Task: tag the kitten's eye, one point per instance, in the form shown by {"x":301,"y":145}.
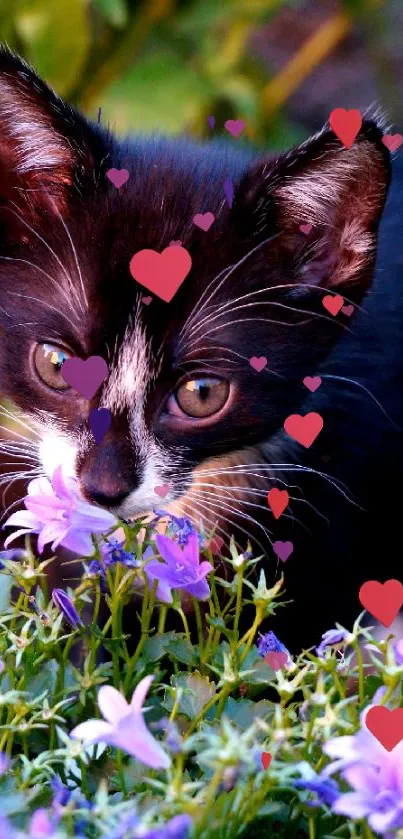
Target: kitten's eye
{"x":48,"y":361}
{"x":202,"y":397}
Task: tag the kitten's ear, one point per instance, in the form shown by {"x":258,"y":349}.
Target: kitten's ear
{"x":46,"y":147}
{"x":340,"y":192}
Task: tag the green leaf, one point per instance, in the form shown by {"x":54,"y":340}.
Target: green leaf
{"x":244,"y":711}
{"x":56,"y":36}
{"x":155,"y":647}
{"x":114,"y":11}
{"x":159,"y":93}
{"x":197,"y":692}
{"x":6,"y":584}
{"x":182,"y":650}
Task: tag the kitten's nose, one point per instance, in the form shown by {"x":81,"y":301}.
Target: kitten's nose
{"x":108,"y":476}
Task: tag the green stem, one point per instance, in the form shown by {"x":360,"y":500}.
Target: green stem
{"x":199,"y":627}
{"x":162,"y":618}
{"x":312,"y":831}
{"x":119,"y":761}
{"x":238,"y":605}
{"x":361,"y":674}
{"x":249,"y":636}
{"x":185,"y":625}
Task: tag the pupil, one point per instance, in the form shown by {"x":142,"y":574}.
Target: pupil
{"x":203,"y":391}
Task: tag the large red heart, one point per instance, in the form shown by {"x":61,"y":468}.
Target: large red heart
{"x":333,"y":303}
{"x":382,"y":600}
{"x":162,"y":273}
{"x":385,"y":725}
{"x":304,"y":429}
{"x":346,"y":125}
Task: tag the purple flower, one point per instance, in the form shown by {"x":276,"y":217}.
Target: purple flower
{"x":375,"y":775}
{"x":326,"y":790}
{"x":181,"y":528}
{"x":5,"y":763}
{"x":176,"y":828}
{"x":15,"y":554}
{"x":124,"y":727}
{"x":398,"y":651}
{"x":41,"y":825}
{"x":332,"y":638}
{"x":269,"y":643}
{"x":181,"y":568}
{"x":61,"y":793}
{"x":67,"y":607}
{"x":112,"y":552}
{"x":58,"y":515}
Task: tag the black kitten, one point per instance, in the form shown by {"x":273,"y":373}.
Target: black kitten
{"x":187,"y":407}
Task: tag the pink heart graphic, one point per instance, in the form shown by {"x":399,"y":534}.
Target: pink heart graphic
{"x":146,"y":300}
{"x":312,"y":382}
{"x":118,"y":177}
{"x":161,"y":273}
{"x":283,"y":550}
{"x":333,"y":303}
{"x":276,"y":659}
{"x":258,"y":364}
{"x":234,"y":126}
{"x":215,"y":544}
{"x":306,"y":229}
{"x":175,"y":242}
{"x":85,"y":376}
{"x":203,"y":220}
{"x":163,"y":490}
{"x":392,"y":141}
{"x":348,"y":310}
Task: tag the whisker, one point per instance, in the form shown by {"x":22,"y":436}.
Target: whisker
{"x":43,"y":303}
{"x":73,"y":248}
{"x":368,"y":392}
{"x":37,"y":268}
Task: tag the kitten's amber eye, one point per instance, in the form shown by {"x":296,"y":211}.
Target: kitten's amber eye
{"x":202,"y":397}
{"x":48,"y":360}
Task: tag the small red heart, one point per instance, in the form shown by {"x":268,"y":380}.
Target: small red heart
{"x":175,"y":242}
{"x":203,"y":220}
{"x":266,"y":760}
{"x":306,"y":229}
{"x":392,"y":141}
{"x":382,"y":600}
{"x":312,"y":382}
{"x":146,"y":300}
{"x":333,"y":303}
{"x":258,"y":363}
{"x":346,"y":125}
{"x":118,"y":177}
{"x":385,"y":725}
{"x":304,"y":429}
{"x":161,"y":273}
{"x":163,"y":490}
{"x":276,"y":660}
{"x":278,"y":501}
{"x":348,"y":310}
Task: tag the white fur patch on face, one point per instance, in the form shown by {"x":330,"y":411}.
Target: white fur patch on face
{"x":56,"y":449}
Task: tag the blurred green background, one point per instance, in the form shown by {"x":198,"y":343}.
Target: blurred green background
{"x":166,"y":65}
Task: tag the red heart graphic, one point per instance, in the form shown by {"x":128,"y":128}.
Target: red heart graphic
{"x":258,"y":363}
{"x":304,"y":429}
{"x":278,"y":501}
{"x":382,"y":600}
{"x":346,"y":125}
{"x":333,"y":303}
{"x":276,"y":660}
{"x":162,"y":273}
{"x":385,"y":725}
{"x":392,"y":141}
{"x":266,"y":760}
{"x":312,"y":382}
{"x":163,"y":490}
{"x":306,"y":229}
{"x":203,"y":220}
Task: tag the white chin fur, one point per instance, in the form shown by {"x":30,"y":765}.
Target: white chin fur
{"x":56,"y":450}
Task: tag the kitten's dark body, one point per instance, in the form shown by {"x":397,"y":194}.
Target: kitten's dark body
{"x":337,"y":546}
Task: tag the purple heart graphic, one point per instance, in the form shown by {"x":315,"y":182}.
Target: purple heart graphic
{"x":258,"y":363}
{"x":99,"y":421}
{"x":229,"y":191}
{"x":211,"y":121}
{"x":118,"y":177}
{"x":234,"y":126}
{"x":85,"y":376}
{"x":283,"y":550}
